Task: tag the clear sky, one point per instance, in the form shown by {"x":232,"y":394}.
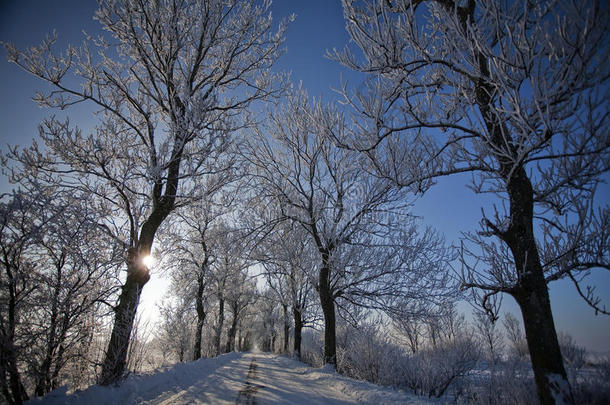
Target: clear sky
{"x":319,"y":25}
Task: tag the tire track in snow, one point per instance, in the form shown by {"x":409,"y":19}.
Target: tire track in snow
{"x":247,"y":395}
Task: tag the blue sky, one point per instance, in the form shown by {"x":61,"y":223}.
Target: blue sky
{"x":318,"y":26}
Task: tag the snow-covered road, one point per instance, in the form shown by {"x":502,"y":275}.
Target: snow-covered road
{"x":262,"y":378}
{"x":237,"y":378}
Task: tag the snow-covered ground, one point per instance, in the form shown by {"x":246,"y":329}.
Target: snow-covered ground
{"x":237,"y":378}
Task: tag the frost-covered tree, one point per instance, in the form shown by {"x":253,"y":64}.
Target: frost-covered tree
{"x":192,"y":245}
{"x":489,"y":337}
{"x":369,"y":251}
{"x":240,"y":294}
{"x":514,"y":93}
{"x":289,"y":261}
{"x":175,"y":329}
{"x":172,"y":84}
{"x":77,"y":267}
{"x":18,"y":228}
{"x":57,"y":271}
{"x":515,"y":336}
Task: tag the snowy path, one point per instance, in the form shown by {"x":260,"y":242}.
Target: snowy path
{"x":222,"y":386}
{"x":285,"y":381}
{"x":237,"y":379}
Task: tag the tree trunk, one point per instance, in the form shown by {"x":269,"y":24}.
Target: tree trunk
{"x":286,"y":328}
{"x":328,"y":309}
{"x":298,"y":326}
{"x":531,"y":293}
{"x":43,"y":384}
{"x":549,"y":372}
{"x":124,"y":315}
{"x":231,"y":335}
{"x":221,"y":319}
{"x":14,"y":391}
{"x":200,"y":318}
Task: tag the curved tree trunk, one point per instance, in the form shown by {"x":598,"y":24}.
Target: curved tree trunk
{"x":124,"y":315}
{"x":531,"y":290}
{"x":200,"y":318}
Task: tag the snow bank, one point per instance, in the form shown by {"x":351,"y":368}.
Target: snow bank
{"x":139,"y":388}
{"x":287,"y":381}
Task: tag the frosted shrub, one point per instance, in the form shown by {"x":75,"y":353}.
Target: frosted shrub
{"x":369,"y":356}
{"x":432,"y":371}
{"x":312,"y":348}
{"x":592,"y":384}
{"x":503,"y":383}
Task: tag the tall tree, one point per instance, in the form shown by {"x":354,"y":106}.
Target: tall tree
{"x":172,"y":86}
{"x":366,"y":256}
{"x":514,"y":92}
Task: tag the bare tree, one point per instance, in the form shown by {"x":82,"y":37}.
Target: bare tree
{"x":351,"y":217}
{"x":240,"y":294}
{"x":17,"y":229}
{"x":171,"y":86}
{"x":192,"y":243}
{"x":77,"y":269}
{"x":57,"y":272}
{"x":177,"y":325}
{"x":516,"y":94}
{"x":489,"y":336}
{"x":515,"y":335}
{"x":289,"y":260}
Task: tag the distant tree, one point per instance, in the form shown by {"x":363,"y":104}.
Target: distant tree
{"x":192,"y":243}
{"x":490,"y":337}
{"x":228,"y":282}
{"x":176,"y":326}
{"x":514,"y":93}
{"x":369,"y":250}
{"x":515,"y":336}
{"x":269,"y":319}
{"x":172,"y":86}
{"x":288,"y":258}
{"x":240,"y":294}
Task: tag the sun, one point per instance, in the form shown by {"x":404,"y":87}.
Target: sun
{"x":148,"y":261}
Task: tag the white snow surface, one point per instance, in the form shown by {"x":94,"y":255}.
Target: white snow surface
{"x":231,"y":379}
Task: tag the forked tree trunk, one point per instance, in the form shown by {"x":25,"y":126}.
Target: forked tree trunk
{"x":531,"y":290}
{"x":124,"y":315}
{"x":298,"y":327}
{"x":328,"y":309}
{"x":531,"y":293}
